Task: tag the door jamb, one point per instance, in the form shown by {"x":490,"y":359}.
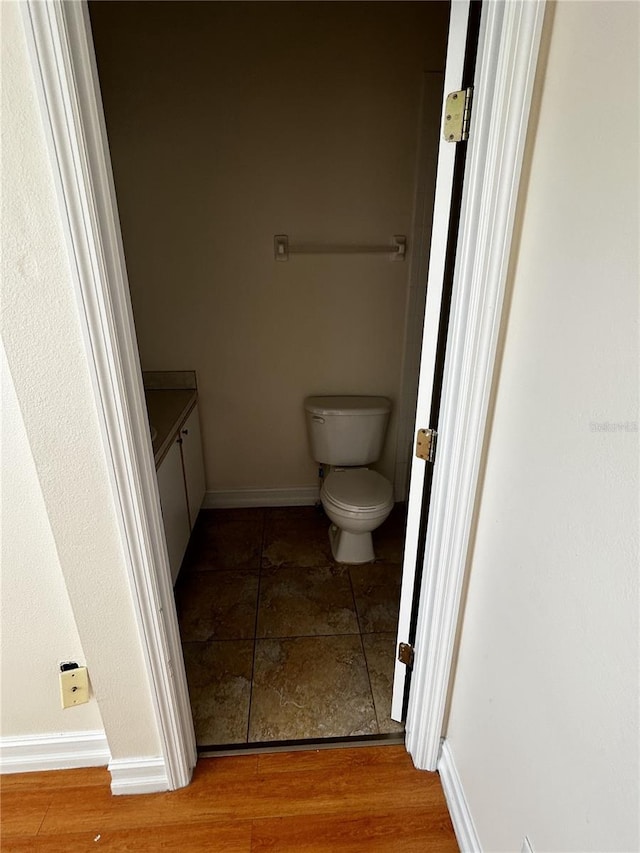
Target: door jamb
{"x":418,"y":260}
{"x":63,"y":63}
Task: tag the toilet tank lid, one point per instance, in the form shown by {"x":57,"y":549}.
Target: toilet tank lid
{"x":347,"y":405}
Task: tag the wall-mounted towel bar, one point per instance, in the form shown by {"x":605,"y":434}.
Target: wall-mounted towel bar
{"x":282,"y":249}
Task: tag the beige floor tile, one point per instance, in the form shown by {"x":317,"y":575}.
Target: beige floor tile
{"x":388,"y":539}
{"x":294,"y":513}
{"x":379,"y":650}
{"x":226,"y":539}
{"x":376,"y":587}
{"x":219,"y":678}
{"x":217,"y":605}
{"x":297,"y":539}
{"x":297,"y":602}
{"x":311,"y":687}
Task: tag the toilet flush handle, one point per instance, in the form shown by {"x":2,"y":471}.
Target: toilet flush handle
{"x":317,"y":419}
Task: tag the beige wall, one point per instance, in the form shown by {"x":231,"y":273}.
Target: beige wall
{"x":59,"y":522}
{"x":544,"y":716}
{"x":229,"y":123}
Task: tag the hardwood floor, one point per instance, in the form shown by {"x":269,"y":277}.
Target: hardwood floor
{"x":319,"y":801}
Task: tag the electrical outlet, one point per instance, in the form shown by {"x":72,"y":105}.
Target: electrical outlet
{"x":74,"y":687}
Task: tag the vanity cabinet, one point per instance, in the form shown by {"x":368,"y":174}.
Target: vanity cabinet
{"x":173,"y":503}
{"x":193,"y":465}
{"x":181,"y":487}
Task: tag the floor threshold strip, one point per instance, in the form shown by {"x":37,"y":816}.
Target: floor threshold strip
{"x":206,"y":751}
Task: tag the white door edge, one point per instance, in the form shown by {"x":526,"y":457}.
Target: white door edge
{"x":457,"y":39}
{"x":505,"y":73}
{"x":63,"y":64}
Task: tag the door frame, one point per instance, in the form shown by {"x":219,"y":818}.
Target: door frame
{"x":64,"y":68}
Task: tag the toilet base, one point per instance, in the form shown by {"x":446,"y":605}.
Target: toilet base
{"x":351,"y":547}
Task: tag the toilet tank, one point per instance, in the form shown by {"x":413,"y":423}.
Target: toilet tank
{"x":346,"y":431}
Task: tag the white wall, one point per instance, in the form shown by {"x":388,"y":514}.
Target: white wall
{"x":67,"y":480}
{"x":544,"y":716}
{"x":38,"y":627}
{"x":229,"y":123}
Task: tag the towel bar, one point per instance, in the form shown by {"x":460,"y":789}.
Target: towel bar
{"x":282,"y":248}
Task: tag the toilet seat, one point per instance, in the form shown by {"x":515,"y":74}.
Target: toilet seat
{"x":358,"y":490}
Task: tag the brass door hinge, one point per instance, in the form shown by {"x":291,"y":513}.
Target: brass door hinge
{"x":405,"y":654}
{"x":457,"y":115}
{"x":426,"y":444}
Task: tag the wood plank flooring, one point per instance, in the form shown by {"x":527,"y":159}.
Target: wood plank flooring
{"x":318,"y":801}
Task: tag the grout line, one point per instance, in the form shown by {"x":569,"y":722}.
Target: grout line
{"x":355,"y":603}
{"x":309,"y":636}
{"x":255,"y":623}
{"x":364,"y":651}
{"x":373,"y":701}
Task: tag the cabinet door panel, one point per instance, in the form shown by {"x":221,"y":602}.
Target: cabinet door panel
{"x":174,"y":507}
{"x":193,"y":464}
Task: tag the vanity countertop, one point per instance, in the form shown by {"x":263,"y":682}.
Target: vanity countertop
{"x":168,"y":409}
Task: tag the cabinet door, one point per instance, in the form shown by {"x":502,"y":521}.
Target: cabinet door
{"x":193,"y":464}
{"x":174,"y":507}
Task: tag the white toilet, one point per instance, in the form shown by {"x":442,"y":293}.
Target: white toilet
{"x":345,"y":435}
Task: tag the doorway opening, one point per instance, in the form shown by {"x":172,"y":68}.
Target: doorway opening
{"x":207,"y":296}
{"x":62,"y":62}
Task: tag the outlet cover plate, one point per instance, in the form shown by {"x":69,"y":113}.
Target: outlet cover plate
{"x":74,"y":687}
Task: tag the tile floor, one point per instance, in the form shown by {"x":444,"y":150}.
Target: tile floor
{"x":280,"y":641}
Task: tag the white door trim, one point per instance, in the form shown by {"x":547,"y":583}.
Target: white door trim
{"x":505,"y":72}
{"x":63,"y":63}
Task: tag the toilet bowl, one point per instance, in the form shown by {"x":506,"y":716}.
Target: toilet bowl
{"x":346,"y":433}
{"x":357,"y":501}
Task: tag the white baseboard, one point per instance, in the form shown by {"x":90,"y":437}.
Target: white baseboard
{"x":463,"y":825}
{"x":53,"y":752}
{"x":31,"y":753}
{"x":235,"y":498}
{"x":138,"y":775}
